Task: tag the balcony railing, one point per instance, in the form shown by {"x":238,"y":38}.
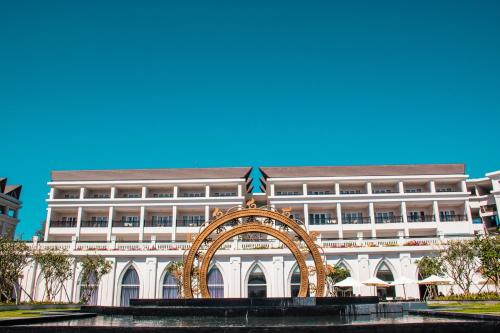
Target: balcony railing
{"x":321,"y":221}
{"x":388,"y":219}
{"x":190,"y":223}
{"x":63,"y":224}
{"x":356,"y":220}
{"x":159,"y":222}
{"x":453,"y":218}
{"x":94,"y":224}
{"x":192,"y":195}
{"x":421,"y":218}
{"x":125,"y":224}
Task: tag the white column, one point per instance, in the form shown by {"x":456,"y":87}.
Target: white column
{"x":401,"y":187}
{"x":176,"y":191}
{"x":113,"y":192}
{"x":207,"y":191}
{"x":369,"y":188}
{"x":82,"y":192}
{"x":144,"y":192}
{"x":207,"y":212}
{"x":240,"y":190}
{"x":141,"y":224}
{"x":339,"y":220}
{"x":464,"y":186}
{"x":371,"y":210}
{"x":108,"y":297}
{"x":174,"y":219}
{"x":110,"y":223}
{"x":271,"y":187}
{"x":235,"y":282}
{"x":51,"y":193}
{"x":150,"y":285}
{"x":337,"y":189}
{"x":363,"y":275}
{"x":469,"y":216}
{"x":304,"y":189}
{"x":405,"y":218}
{"x":47,"y":223}
{"x":306,"y":216}
{"x":78,"y":222}
{"x":435,"y":209}
{"x":279,"y":279}
{"x":433,"y":186}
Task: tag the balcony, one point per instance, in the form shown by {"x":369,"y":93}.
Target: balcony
{"x":126,"y":224}
{"x":388,"y":219}
{"x":159,"y":222}
{"x":322,"y":221}
{"x":453,"y":218}
{"x":63,"y":224}
{"x":356,"y":220}
{"x":421,"y":218}
{"x":191,"y":222}
{"x":94,"y":224}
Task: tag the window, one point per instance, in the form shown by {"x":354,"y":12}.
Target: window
{"x":257,"y":285}
{"x":385,"y":274}
{"x":416,"y":216}
{"x":288,"y":193}
{"x":99,"y":219}
{"x":130,"y":287}
{"x":350,"y":191}
{"x":319,"y":218}
{"x":193,"y":194}
{"x":413,"y":190}
{"x":384,"y":217}
{"x":71,"y":196}
{"x":319,"y":192}
{"x":447,"y":215}
{"x":130,"y":221}
{"x":444,"y":189}
{"x":162,"y":195}
{"x":224,"y":194}
{"x":131,"y":195}
{"x":161,"y":221}
{"x":193,"y":220}
{"x":352,"y":217}
{"x":295,"y":282}
{"x":170,"y":287}
{"x":215,"y":283}
{"x":382,"y":190}
{"x":101,"y":195}
{"x":89,"y":291}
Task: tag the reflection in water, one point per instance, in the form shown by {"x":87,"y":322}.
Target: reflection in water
{"x":127,"y":321}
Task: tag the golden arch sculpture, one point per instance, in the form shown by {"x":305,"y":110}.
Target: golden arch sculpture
{"x":235,"y":219}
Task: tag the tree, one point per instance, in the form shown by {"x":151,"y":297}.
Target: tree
{"x":335,"y":274}
{"x":55,"y":266}
{"x":93,"y":269}
{"x":428,"y":266}
{"x":14,"y":257}
{"x":488,"y":252}
{"x":40,"y":233}
{"x":460,"y":263}
{"x":176,"y":270}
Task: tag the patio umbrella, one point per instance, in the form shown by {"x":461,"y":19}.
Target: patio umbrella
{"x":435,"y":280}
{"x":403,"y":281}
{"x":348,"y":282}
{"x":376,"y":282}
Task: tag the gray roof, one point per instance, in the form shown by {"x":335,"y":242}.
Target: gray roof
{"x":151,"y":174}
{"x":366,"y":170}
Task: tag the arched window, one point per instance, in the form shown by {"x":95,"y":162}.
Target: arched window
{"x":170,"y":287}
{"x":90,"y":291}
{"x":295,"y":282}
{"x":384,"y":273}
{"x":129,"y":287}
{"x":215,"y":283}
{"x":257,"y":286}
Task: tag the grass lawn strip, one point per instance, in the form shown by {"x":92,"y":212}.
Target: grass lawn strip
{"x":478,"y":308}
{"x":31,"y":313}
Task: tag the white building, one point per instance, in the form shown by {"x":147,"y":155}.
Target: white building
{"x":373,"y":220}
{"x":10,"y":204}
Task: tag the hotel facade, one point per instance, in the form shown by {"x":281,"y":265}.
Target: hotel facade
{"x":10,"y":204}
{"x":372,"y":220}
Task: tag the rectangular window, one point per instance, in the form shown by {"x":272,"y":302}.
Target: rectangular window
{"x":413,"y":190}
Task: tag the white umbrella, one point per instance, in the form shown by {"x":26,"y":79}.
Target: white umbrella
{"x":375,"y":282}
{"x":348,"y":282}
{"x":403,"y":281}
{"x":436,"y":280}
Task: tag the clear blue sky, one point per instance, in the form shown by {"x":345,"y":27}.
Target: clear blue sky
{"x":152,"y":84}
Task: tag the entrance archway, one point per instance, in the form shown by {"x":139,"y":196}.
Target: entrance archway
{"x":253,"y":220}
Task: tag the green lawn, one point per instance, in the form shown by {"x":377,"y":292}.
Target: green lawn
{"x":475,"y":308}
{"x":28,"y":313}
